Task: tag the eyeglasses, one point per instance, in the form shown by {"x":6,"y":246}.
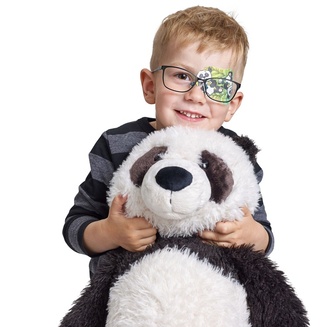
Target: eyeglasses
{"x":181,"y":80}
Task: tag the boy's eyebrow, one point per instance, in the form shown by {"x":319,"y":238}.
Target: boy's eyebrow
{"x":182,"y":65}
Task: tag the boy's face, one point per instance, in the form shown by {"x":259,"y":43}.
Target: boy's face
{"x":192,"y":108}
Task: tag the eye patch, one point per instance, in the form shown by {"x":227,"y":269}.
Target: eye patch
{"x":219,"y":82}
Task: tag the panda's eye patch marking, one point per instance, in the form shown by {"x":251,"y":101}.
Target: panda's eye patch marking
{"x":143,"y":164}
{"x":219,"y":176}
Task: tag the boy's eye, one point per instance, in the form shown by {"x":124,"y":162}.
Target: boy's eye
{"x":183,"y":76}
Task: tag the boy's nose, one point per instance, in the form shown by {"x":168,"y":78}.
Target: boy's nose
{"x":197,"y":93}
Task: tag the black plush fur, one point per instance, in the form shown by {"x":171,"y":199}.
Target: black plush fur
{"x":271,"y":299}
{"x":248,"y":146}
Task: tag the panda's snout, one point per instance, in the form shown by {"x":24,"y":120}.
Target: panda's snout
{"x":173,"y":178}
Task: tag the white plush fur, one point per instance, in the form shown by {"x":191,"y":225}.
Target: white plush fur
{"x":190,"y":208}
{"x":173,"y":288}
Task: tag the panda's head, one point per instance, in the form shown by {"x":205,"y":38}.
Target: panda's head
{"x":184,"y":180}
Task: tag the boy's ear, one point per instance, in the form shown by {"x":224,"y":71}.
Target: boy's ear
{"x":234,"y":105}
{"x":147,"y":85}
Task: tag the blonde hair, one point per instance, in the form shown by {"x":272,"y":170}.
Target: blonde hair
{"x":214,"y":29}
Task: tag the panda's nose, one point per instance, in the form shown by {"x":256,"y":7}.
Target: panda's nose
{"x":174,"y":178}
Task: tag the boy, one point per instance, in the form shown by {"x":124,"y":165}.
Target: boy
{"x":198,"y":60}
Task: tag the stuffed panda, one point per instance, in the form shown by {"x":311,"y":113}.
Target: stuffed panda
{"x":184,"y":180}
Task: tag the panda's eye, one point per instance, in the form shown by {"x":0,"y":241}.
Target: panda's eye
{"x":143,"y":164}
{"x":158,"y":156}
{"x":204,"y":164}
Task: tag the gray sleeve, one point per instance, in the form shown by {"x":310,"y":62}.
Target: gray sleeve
{"x":260,"y":215}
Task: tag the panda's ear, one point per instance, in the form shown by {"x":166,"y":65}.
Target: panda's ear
{"x":248,"y":146}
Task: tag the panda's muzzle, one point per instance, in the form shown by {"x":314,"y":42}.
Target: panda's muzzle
{"x":173,"y":178}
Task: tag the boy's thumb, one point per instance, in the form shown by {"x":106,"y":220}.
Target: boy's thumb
{"x":119,"y":200}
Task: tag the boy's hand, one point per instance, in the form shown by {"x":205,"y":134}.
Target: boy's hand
{"x":245,"y":231}
{"x":132,"y":234}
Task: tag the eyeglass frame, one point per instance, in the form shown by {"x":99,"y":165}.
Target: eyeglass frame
{"x":203,"y":80}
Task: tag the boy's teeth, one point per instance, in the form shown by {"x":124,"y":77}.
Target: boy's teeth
{"x":188,"y":114}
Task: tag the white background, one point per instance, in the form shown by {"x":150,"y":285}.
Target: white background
{"x":70,"y":70}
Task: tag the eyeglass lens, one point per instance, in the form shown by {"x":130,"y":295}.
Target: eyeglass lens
{"x":218,"y":89}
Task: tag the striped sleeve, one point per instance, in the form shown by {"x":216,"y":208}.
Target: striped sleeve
{"x":90,"y":202}
{"x":105,"y":157}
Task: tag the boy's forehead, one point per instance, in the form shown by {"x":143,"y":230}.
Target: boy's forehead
{"x":188,"y":56}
